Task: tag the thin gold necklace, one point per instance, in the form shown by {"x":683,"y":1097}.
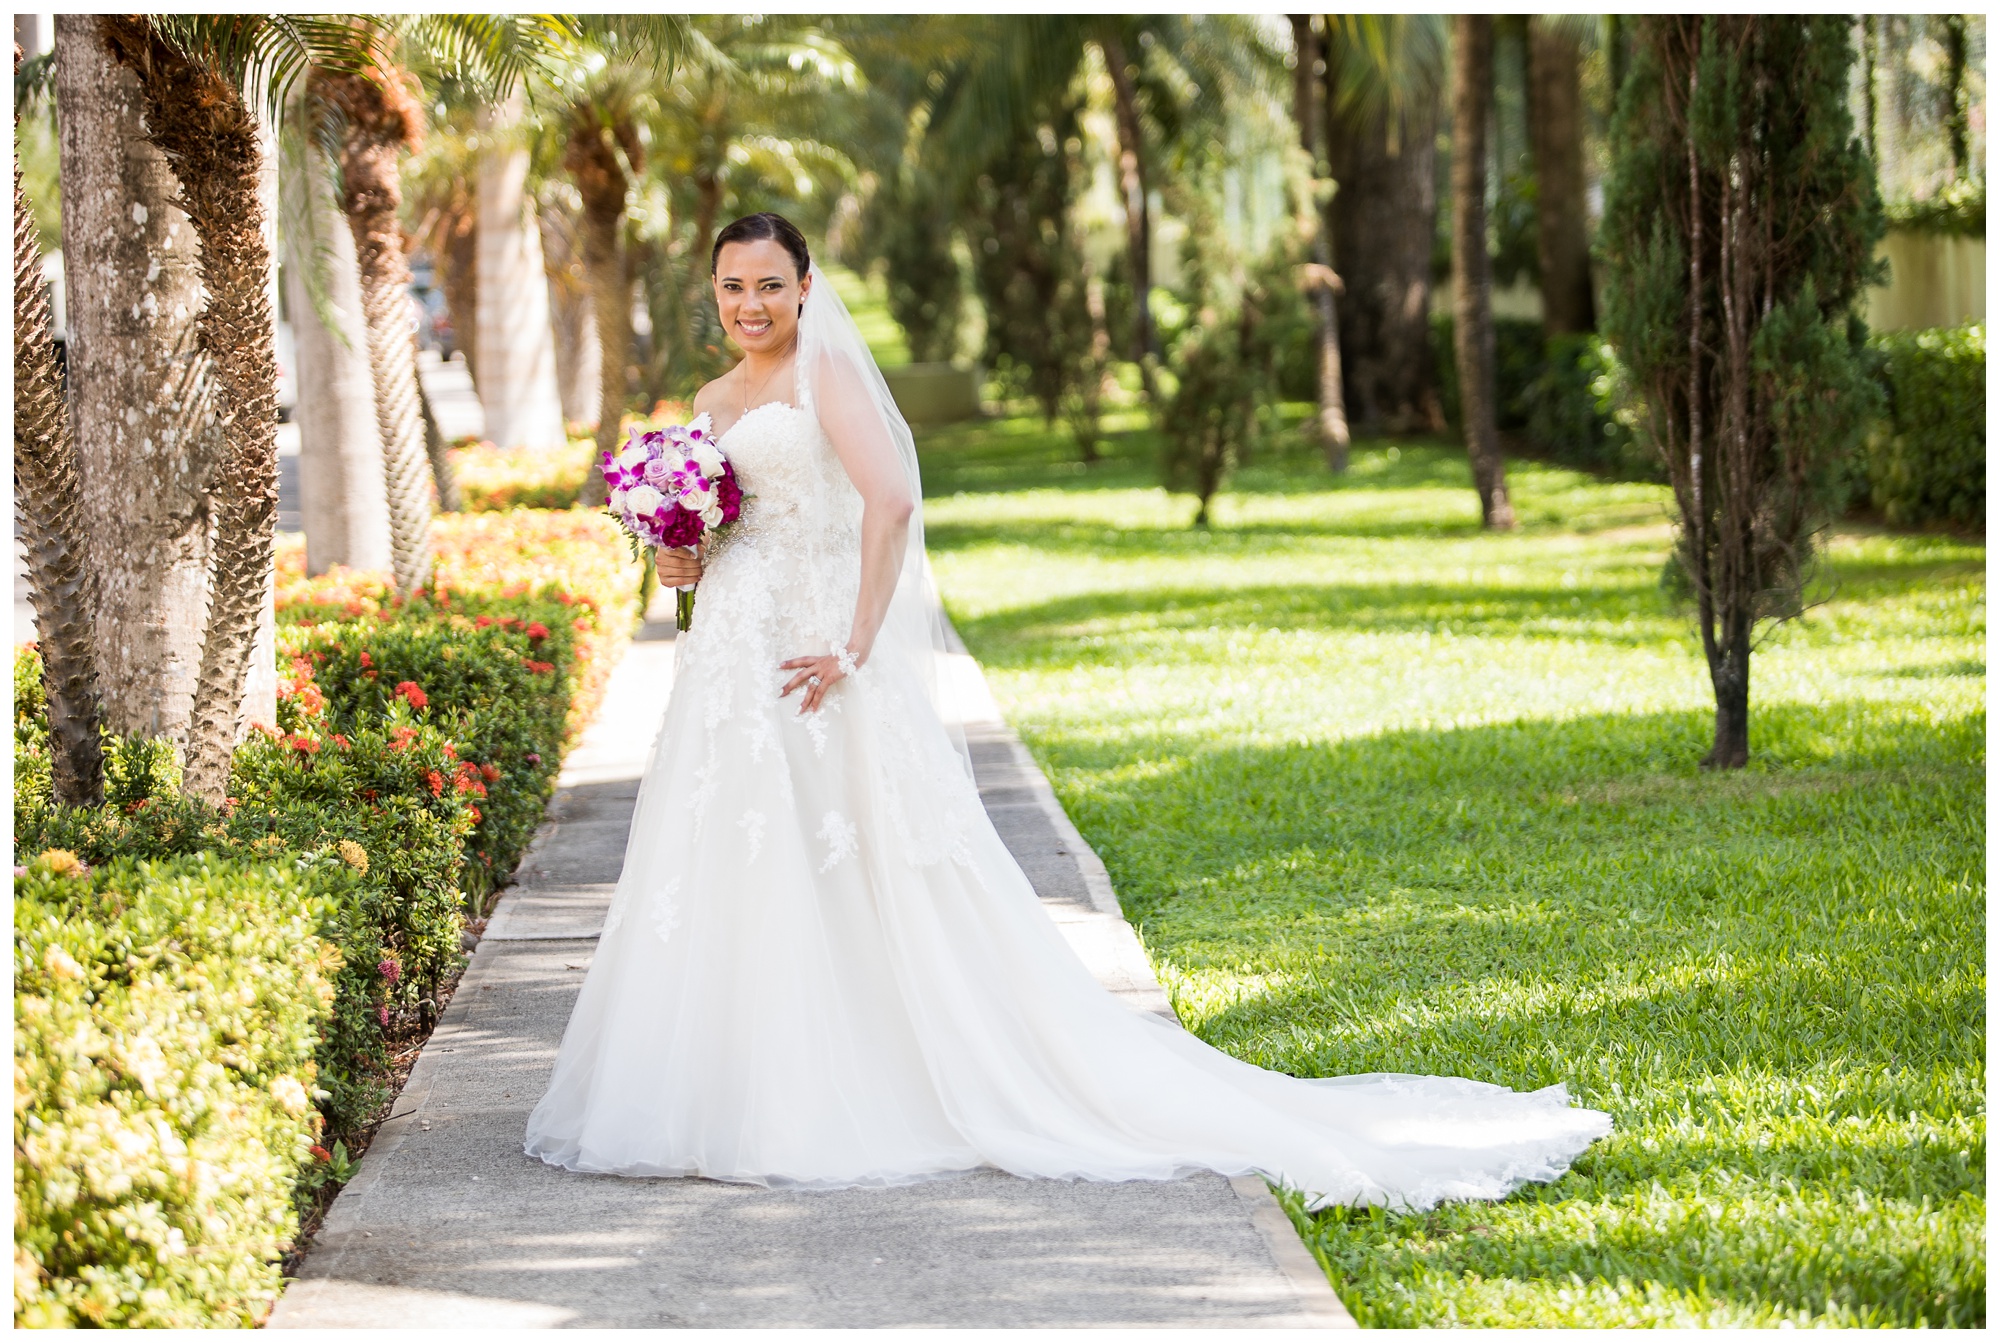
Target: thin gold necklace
{"x":746,"y":385}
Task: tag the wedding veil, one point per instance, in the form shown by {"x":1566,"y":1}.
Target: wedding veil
{"x":837,"y":375}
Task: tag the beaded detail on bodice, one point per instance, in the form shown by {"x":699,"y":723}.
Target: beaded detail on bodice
{"x":792,"y":480}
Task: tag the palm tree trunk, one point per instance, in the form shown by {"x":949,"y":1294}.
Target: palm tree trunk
{"x":378,"y":123}
{"x":1333,"y":430}
{"x":1471,"y":97}
{"x":579,"y":370}
{"x":1555,"y":131}
{"x":48,"y":498}
{"x":601,"y":180}
{"x":199,"y":120}
{"x":143,"y":410}
{"x":341,"y":491}
{"x":516,"y":375}
{"x":458,"y":259}
{"x":450,"y":499}
{"x":1383,"y":221}
{"x":1138,"y":219}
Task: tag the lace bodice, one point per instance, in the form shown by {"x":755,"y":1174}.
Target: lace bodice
{"x":780,"y":583}
{"x":792,"y":479}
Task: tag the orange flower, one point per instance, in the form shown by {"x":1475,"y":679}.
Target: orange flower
{"x":414,"y":693}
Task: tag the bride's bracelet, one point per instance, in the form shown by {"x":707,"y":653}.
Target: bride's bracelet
{"x":844,"y":656}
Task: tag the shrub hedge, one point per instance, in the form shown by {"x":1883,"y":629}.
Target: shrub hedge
{"x":1924,"y":462}
{"x":1927,"y":461}
{"x":165,"y":1019}
{"x":493,"y":479}
{"x":415,"y":747}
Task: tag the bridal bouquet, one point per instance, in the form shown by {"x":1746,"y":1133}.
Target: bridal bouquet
{"x":673,"y":487}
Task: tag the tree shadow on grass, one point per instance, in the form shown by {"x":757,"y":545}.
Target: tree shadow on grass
{"x":1772,"y":979}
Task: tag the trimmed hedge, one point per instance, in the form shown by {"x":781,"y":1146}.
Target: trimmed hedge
{"x":415,"y":748}
{"x":165,"y":1018}
{"x":1927,"y":462}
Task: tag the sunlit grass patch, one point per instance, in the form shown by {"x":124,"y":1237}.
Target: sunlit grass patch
{"x":1386,"y":794}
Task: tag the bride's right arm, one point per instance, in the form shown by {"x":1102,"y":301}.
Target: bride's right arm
{"x":854,"y":426}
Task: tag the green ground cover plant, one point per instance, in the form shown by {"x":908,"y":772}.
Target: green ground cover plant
{"x":165,"y":1018}
{"x":1383,"y":793}
{"x":415,"y":746}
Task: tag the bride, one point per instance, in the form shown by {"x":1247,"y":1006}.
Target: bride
{"x":821,"y":967}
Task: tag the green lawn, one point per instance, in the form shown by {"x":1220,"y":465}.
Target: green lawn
{"x":1382,"y":793}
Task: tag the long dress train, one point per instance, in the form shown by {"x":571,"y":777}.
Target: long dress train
{"x":822,"y":968}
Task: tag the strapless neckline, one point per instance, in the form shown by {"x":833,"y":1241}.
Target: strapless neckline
{"x":737,"y":423}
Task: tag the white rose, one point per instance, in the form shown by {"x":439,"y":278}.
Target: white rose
{"x":633,"y":457}
{"x":617,"y":500}
{"x":712,"y":516}
{"x":644,"y":499}
{"x":707,"y":458}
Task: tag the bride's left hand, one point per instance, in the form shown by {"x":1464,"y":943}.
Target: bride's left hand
{"x":816,"y":674}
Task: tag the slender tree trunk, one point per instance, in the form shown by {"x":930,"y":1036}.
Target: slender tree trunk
{"x":1555,"y":131}
{"x":142,"y":391}
{"x":707,"y":205}
{"x":379,"y":120}
{"x":201,"y":123}
{"x":1869,"y":44}
{"x":48,"y":499}
{"x":341,"y":491}
{"x":1333,"y":431}
{"x":579,"y":370}
{"x":1471,"y":99}
{"x":1138,"y":216}
{"x":516,"y":376}
{"x":593,"y":164}
{"x":458,"y":257}
{"x":1956,"y":123}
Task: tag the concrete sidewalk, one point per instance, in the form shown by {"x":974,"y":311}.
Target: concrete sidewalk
{"x":447,"y":1224}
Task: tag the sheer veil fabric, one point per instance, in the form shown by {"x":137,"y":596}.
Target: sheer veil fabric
{"x":822,"y":968}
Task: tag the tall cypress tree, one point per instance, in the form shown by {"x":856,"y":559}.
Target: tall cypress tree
{"x":1740,"y":222}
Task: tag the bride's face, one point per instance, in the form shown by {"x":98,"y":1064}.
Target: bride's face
{"x":758,"y":290}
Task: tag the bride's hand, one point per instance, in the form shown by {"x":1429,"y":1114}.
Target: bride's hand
{"x":817,"y":675}
{"x":676,"y":567}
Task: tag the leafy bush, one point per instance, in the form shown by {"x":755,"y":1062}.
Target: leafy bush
{"x":1959,"y":209}
{"x":576,"y":558}
{"x":165,"y":1016}
{"x":497,"y":686}
{"x":1927,"y":462}
{"x":1578,"y":411}
{"x":387,"y":787}
{"x":493,"y":479}
{"x":1518,"y":360}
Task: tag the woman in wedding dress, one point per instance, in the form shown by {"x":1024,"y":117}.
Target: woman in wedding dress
{"x":821,"y":967}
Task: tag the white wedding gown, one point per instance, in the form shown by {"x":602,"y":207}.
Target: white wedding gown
{"x":822,"y":968}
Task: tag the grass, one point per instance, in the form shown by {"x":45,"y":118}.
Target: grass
{"x":1385,"y":793}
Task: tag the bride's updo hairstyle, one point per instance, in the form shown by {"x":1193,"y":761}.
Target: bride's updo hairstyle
{"x":764,"y":226}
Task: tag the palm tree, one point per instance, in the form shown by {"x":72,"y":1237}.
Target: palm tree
{"x":603,"y":154}
{"x":1471,"y":100}
{"x":1382,"y":83}
{"x":142,"y":393}
{"x":1333,"y":431}
{"x":343,"y":497}
{"x":376,"y":117}
{"x":49,"y":498}
{"x":1164,"y":69}
{"x":192,"y":76}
